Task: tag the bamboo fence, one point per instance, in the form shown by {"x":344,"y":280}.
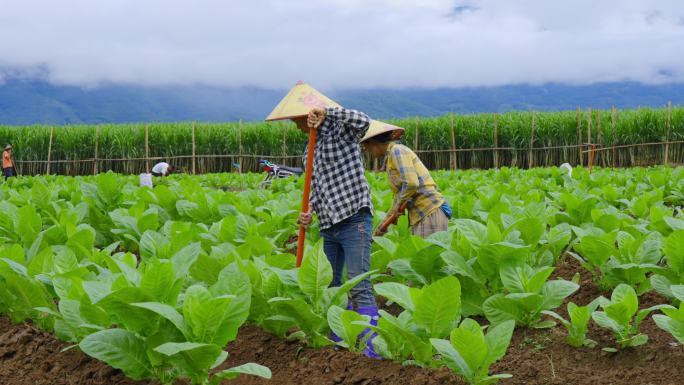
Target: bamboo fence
{"x":441,"y":143}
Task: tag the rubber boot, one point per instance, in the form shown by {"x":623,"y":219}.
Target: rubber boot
{"x":334,"y":336}
{"x":371,"y":311}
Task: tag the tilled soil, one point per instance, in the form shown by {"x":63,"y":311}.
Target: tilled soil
{"x":31,"y":357}
{"x":535,"y":357}
{"x":293,"y":364}
{"x":543,"y":357}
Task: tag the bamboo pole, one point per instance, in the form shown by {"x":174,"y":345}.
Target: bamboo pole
{"x":49,"y":154}
{"x":305,"y":195}
{"x":147,"y":148}
{"x":613,"y":120}
{"x":194,"y":170}
{"x":97,"y":139}
{"x":454,"y":154}
{"x":496,"y":140}
{"x":600,"y":138}
{"x":589,"y":126}
{"x":667,"y":136}
{"x":240,"y":147}
{"x":530,"y":161}
{"x":415,"y":137}
{"x":579,"y":135}
{"x":284,"y":145}
{"x":589,"y":141}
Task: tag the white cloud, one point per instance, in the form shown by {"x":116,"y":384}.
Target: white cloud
{"x":344,"y":43}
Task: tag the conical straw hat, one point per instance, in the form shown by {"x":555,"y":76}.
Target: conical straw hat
{"x":299,"y":101}
{"x":377,"y":127}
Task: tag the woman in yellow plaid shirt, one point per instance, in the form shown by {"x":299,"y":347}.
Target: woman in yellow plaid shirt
{"x":411,"y":183}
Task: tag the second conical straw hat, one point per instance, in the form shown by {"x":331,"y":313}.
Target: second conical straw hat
{"x":299,"y":101}
{"x":377,"y":127}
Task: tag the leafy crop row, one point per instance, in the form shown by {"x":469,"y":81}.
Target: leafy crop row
{"x":156,"y":282}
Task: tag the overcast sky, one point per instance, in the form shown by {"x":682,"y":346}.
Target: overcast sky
{"x":343,"y":43}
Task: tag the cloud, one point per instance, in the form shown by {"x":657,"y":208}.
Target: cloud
{"x":343,"y":43}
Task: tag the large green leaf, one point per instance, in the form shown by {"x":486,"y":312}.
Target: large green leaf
{"x":673,"y":248}
{"x":119,"y":306}
{"x":625,"y":294}
{"x":206,"y":315}
{"x":251,"y":369}
{"x":531,"y":230}
{"x":498,"y":308}
{"x":498,"y":338}
{"x":396,"y":292}
{"x":194,"y":359}
{"x":597,"y":249}
{"x":169,"y":313}
{"x":439,"y":307}
{"x":120,"y":349}
{"x":604,"y":321}
{"x":554,"y":292}
{"x":158,"y":280}
{"x":232,"y":281}
{"x":342,"y":323}
{"x":672,"y":326}
{"x":475,"y":232}
{"x":469,"y":341}
{"x":315,"y":275}
{"x":452,"y":358}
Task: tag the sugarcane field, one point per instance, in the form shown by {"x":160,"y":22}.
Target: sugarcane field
{"x":341,"y":192}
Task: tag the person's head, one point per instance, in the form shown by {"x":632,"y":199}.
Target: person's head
{"x":170,"y":170}
{"x":8,"y":148}
{"x":377,"y":145}
{"x":301,"y":122}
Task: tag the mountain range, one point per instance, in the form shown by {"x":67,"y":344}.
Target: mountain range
{"x":31,"y":101}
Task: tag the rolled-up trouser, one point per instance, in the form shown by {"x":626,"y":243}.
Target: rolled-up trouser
{"x":434,"y":222}
{"x":349,"y":242}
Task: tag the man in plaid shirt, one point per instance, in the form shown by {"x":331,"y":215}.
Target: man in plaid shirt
{"x":341,"y":199}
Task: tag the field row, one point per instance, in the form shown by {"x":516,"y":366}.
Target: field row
{"x":156,"y":282}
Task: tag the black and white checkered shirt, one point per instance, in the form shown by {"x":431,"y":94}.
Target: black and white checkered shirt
{"x":339,"y":188}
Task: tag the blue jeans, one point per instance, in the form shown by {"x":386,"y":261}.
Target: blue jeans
{"x":349,"y":242}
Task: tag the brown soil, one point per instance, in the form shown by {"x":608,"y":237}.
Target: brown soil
{"x":543,"y":357}
{"x":293,"y":364}
{"x":31,"y":357}
{"x":535,"y":357}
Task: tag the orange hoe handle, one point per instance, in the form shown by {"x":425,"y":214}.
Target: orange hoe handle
{"x":392,"y":218}
{"x":307,"y":190}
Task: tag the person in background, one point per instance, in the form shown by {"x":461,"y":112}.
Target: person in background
{"x":8,"y":162}
{"x":162,"y":169}
{"x":412,"y":185}
{"x":340,"y":197}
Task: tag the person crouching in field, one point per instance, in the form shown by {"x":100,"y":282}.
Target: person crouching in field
{"x":412,"y":185}
{"x":340,"y":197}
{"x":162,"y":169}
{"x":8,"y":162}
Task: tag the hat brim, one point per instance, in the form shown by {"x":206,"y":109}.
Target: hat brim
{"x":299,"y":101}
{"x":377,"y":127}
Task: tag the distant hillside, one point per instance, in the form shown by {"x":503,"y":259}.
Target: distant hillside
{"x":31,"y":102}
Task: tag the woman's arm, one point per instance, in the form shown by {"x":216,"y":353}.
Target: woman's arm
{"x":402,"y":160}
